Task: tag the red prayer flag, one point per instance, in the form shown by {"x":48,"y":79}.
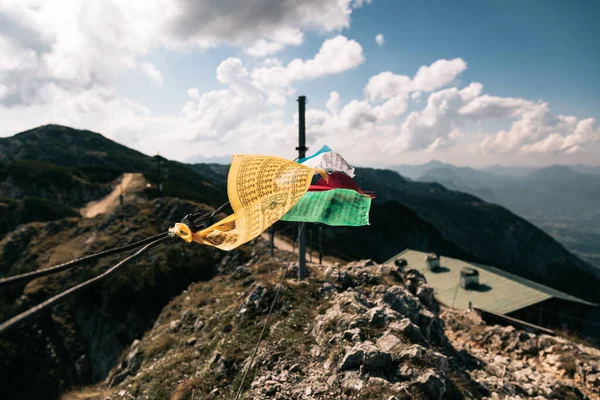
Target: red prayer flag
{"x":337,"y":180}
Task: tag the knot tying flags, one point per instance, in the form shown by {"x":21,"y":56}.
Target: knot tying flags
{"x":183,"y":231}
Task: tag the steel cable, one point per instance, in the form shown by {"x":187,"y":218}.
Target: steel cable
{"x":24,"y":316}
{"x":73,"y":263}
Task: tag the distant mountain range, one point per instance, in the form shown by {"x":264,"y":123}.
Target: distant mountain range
{"x":224,"y":160}
{"x":562,"y":200}
{"x":416,"y":172}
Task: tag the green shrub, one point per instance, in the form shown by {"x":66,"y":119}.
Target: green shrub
{"x":39,"y":173}
{"x":38,"y":209}
{"x":98,"y":174}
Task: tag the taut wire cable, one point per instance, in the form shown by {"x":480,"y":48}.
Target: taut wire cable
{"x":24,"y":316}
{"x":70,"y":264}
{"x":239,"y":392}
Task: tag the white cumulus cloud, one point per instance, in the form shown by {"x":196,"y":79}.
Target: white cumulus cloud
{"x":432,"y":125}
{"x":438,"y":74}
{"x":333,"y":104}
{"x":279,"y":40}
{"x":336,"y":55}
{"x":379,"y":40}
{"x":428,"y":78}
{"x":80,"y":44}
{"x":152,"y":73}
{"x":537,"y":130}
{"x":60,"y":62}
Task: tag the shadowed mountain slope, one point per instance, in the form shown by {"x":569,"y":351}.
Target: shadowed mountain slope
{"x":489,"y":232}
{"x":562,"y":200}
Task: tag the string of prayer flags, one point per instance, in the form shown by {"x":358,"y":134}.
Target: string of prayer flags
{"x":264,"y":189}
{"x":337,"y":200}
{"x":323,"y":149}
{"x":336,"y":207}
{"x":336,"y":180}
{"x":261,"y":189}
{"x":328,"y":160}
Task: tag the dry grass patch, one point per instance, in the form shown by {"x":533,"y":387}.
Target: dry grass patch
{"x":268,"y":267}
{"x":158,"y":345}
{"x":86,"y":394}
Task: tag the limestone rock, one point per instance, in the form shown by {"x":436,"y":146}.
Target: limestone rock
{"x":408,"y":329}
{"x":365,"y":354}
{"x":402,"y":301}
{"x":174,"y":325}
{"x":241,"y":272}
{"x":381,"y":316}
{"x":425,"y":294}
{"x":198,"y":324}
{"x":388,"y":342}
{"x":432,"y":385}
{"x":256,"y":303}
{"x":377,"y":332}
{"x":354,"y":335}
{"x":130,"y":364}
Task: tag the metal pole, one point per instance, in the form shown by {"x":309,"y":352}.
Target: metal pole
{"x":272,"y":241}
{"x":310,"y":247}
{"x":320,"y":245}
{"x":301,"y":154}
{"x":159,"y":177}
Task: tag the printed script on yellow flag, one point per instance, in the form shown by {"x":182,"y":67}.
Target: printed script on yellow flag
{"x":261,"y":190}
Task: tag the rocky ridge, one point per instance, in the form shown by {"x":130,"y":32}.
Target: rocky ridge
{"x":525,"y":364}
{"x":361,"y":330}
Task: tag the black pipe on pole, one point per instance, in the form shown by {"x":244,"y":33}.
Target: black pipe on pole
{"x":160,"y":188}
{"x":320,"y":245}
{"x":310,"y":246}
{"x":272,"y":241}
{"x":301,"y":154}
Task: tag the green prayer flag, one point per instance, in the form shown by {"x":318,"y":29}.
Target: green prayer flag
{"x":336,"y":207}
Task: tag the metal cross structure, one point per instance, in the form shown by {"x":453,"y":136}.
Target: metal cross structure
{"x":160,"y":185}
{"x":301,"y":154}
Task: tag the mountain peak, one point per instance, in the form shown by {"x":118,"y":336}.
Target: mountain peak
{"x":65,"y":146}
{"x":54,"y":130}
{"x":557,"y":167}
{"x":435,"y":163}
{"x":554,"y":172}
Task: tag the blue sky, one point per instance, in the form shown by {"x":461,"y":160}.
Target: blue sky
{"x":529,"y":64}
{"x":534,"y":49}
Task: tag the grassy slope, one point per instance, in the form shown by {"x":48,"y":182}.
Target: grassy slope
{"x":82,"y":338}
{"x":14,"y":212}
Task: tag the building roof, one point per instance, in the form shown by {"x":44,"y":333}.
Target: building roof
{"x":499,"y":291}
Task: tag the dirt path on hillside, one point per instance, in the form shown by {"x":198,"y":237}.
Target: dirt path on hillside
{"x":285,"y":245}
{"x":131,"y":184}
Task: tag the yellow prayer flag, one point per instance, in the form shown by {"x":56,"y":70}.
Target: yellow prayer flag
{"x":261,"y":190}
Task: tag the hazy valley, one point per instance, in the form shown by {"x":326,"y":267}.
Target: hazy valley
{"x":562,"y":200}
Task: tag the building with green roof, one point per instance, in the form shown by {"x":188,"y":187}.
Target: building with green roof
{"x":460,"y":284}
